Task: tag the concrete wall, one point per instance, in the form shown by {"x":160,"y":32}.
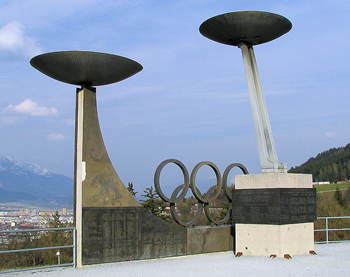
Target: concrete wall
{"x":206,"y":239}
{"x":111,"y":224}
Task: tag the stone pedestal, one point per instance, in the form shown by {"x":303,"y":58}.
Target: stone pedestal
{"x":266,"y":239}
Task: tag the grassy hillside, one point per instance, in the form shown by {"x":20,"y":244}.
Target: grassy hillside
{"x":333,"y":202}
{"x":332,"y":187}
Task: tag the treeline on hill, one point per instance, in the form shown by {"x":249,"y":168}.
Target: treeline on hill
{"x":332,"y":165}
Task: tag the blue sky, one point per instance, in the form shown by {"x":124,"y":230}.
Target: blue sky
{"x":191,"y":100}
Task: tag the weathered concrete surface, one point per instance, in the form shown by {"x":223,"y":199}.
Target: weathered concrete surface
{"x":102,"y":186}
{"x":209,"y":239}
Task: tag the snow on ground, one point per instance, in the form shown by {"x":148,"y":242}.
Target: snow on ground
{"x":331,"y":260}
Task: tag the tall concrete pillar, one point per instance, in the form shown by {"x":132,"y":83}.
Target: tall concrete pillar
{"x":97,"y":184}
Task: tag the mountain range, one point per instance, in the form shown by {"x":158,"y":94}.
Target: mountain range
{"x":32,"y":184}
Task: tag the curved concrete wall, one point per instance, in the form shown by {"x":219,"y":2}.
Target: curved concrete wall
{"x":111,"y":224}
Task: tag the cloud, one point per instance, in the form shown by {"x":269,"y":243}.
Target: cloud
{"x":330,"y":134}
{"x":13,"y":40}
{"x":56,"y":137}
{"x":31,"y":108}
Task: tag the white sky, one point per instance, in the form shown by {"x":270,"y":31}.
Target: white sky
{"x":191,"y":100}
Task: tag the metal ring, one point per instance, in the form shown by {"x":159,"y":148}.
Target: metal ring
{"x":225,"y":176}
{"x":203,"y":201}
{"x":196,"y":191}
{"x":209,"y":216}
{"x":185,"y":186}
{"x":215,"y":221}
{"x":177,"y":218}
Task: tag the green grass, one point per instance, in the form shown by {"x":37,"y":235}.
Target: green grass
{"x":321,"y":188}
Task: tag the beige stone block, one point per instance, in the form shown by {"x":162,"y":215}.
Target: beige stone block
{"x":273,"y":180}
{"x":266,"y":240}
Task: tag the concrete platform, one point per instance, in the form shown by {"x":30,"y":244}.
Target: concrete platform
{"x":331,"y":260}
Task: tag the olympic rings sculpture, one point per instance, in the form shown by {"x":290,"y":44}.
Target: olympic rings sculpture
{"x":190,"y":183}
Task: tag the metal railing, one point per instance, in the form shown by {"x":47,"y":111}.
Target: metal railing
{"x":327,"y":229}
{"x":73,"y":246}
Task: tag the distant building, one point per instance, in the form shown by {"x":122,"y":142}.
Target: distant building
{"x":35,"y":212}
{"x":321,"y":183}
{"x":44,"y":214}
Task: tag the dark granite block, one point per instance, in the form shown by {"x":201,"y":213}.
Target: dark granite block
{"x":128,"y":233}
{"x":274,"y":206}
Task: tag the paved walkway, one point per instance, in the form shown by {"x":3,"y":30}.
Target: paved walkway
{"x":331,"y":260}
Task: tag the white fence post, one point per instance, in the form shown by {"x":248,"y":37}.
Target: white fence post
{"x":327,"y":230}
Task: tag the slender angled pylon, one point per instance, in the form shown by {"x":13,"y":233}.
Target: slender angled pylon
{"x":245,"y":29}
{"x":267,"y":152}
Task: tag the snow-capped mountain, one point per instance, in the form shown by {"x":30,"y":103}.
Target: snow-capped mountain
{"x":19,"y":167}
{"x":20,"y":181}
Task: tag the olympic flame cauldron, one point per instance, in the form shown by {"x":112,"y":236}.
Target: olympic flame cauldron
{"x":245,"y":29}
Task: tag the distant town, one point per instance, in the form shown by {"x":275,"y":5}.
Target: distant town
{"x":12,"y":218}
